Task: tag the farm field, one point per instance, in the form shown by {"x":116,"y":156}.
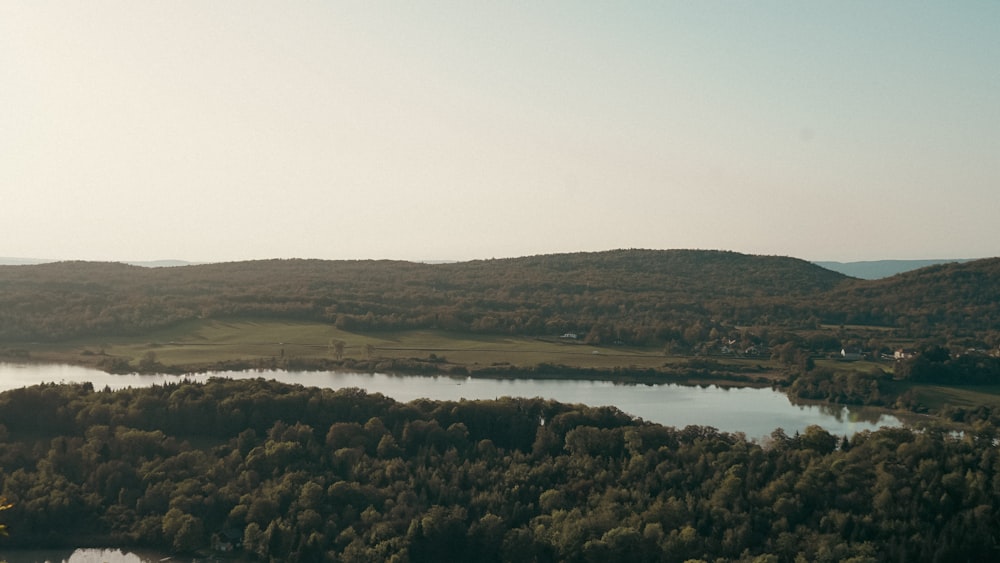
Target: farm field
{"x":193,"y":345}
{"x":209,"y":344}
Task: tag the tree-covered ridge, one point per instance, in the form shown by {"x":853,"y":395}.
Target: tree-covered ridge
{"x":702,"y":271}
{"x":301,"y":474}
{"x":965,"y":296}
{"x":641,"y":297}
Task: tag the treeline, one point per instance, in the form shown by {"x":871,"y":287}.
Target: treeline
{"x":934,"y":364}
{"x":962,"y":298}
{"x":288,"y":473}
{"x":937,"y":365}
{"x":845,"y":387}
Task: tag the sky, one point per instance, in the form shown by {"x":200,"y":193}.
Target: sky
{"x":235,"y":130}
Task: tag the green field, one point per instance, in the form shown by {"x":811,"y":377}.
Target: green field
{"x":207,"y":344}
{"x":862,"y":366}
{"x":196,"y":344}
{"x":934,"y":397}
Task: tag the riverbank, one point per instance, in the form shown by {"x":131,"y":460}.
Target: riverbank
{"x":755,"y":411}
{"x":694,"y":372}
{"x":212,"y":345}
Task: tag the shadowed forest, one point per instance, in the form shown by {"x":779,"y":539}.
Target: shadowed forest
{"x":301,"y":474}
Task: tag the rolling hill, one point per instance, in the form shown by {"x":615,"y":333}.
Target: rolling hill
{"x":638,"y":296}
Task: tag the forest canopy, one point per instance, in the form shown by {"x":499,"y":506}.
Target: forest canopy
{"x":288,"y":473}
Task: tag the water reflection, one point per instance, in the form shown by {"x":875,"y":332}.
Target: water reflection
{"x":82,"y":556}
{"x":37,"y":556}
{"x":99,"y":555}
{"x":845,"y":413}
{"x":755,"y":412}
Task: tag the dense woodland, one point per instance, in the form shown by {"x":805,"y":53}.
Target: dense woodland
{"x":640,"y":297}
{"x":299,"y":474}
{"x":285,"y":473}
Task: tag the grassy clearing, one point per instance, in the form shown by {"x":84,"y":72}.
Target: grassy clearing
{"x":201,"y":344}
{"x":861,"y":366}
{"x":205,"y":342}
{"x":210,"y":341}
{"x":937,"y":396}
{"x":489,"y":350}
{"x":860,"y":328}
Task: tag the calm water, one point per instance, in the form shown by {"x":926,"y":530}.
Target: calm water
{"x":86,"y":556}
{"x":755,"y":412}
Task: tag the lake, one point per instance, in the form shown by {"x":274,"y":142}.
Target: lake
{"x":755,"y":412}
{"x":89,"y":555}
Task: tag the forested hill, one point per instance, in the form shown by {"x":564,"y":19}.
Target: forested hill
{"x":634,"y":293}
{"x":964,"y":294}
{"x":705,"y":273}
{"x":638,"y":296}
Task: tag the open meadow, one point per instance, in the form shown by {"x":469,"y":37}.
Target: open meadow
{"x":195,"y":345}
{"x":214,"y":344}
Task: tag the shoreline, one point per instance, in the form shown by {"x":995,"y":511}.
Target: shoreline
{"x":694,"y":371}
{"x":244,"y":346}
{"x":688,"y":377}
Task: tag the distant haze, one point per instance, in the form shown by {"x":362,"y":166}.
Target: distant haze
{"x":5,"y":261}
{"x":869,"y":270}
{"x":877,"y":269}
{"x":240,"y":129}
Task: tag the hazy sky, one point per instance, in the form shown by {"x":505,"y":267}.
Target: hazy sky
{"x":215,"y":130}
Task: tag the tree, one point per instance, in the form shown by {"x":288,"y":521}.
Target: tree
{"x":184,"y":531}
{"x":338,"y":348}
{"x":149,"y":362}
{"x":4,"y":505}
{"x":815,"y":438}
{"x":439,"y":535}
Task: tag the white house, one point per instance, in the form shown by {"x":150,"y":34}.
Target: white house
{"x":851,"y":354}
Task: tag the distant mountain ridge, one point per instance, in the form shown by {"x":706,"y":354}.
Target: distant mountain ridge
{"x":878,"y":269}
{"x":12,"y":261}
{"x":866,"y":270}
